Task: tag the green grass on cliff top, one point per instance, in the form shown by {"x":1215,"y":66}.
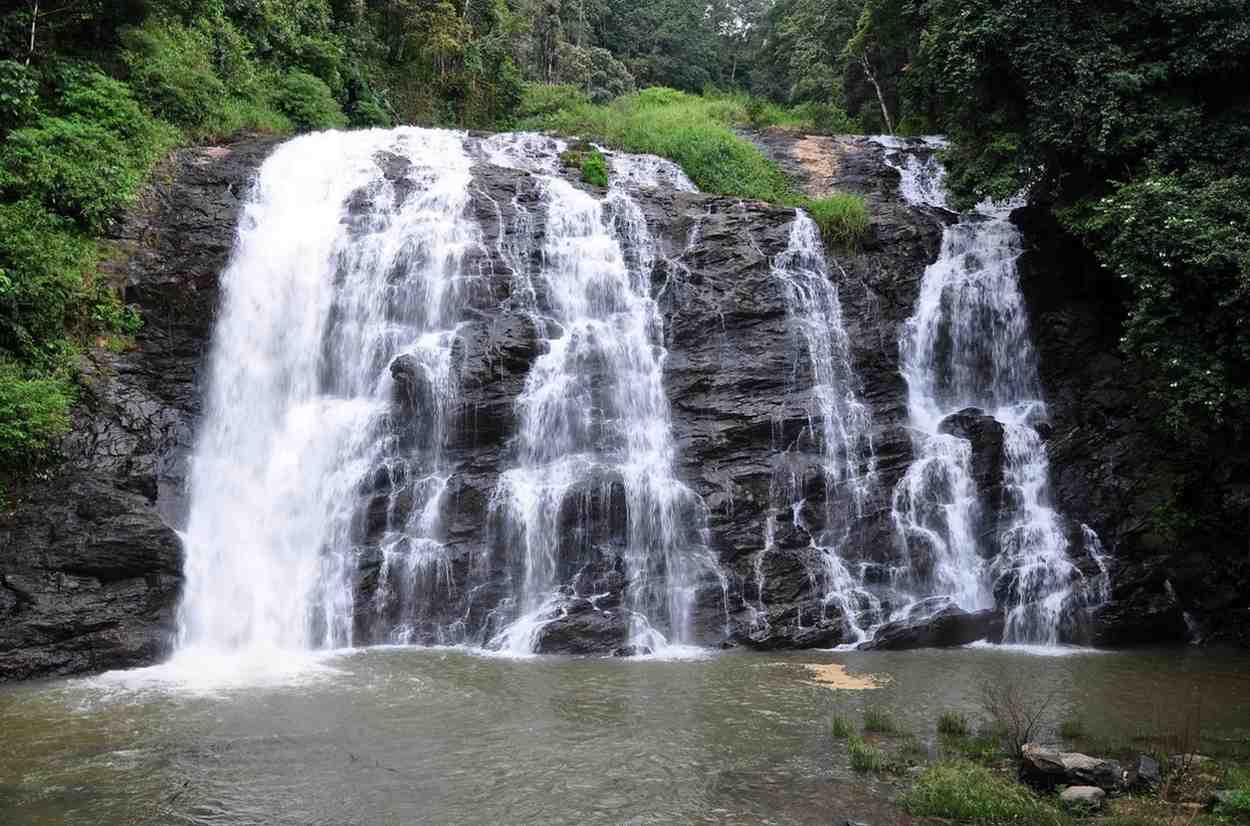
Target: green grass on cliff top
{"x":695,"y":132}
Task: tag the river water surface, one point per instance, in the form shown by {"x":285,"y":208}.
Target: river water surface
{"x":445,"y":736}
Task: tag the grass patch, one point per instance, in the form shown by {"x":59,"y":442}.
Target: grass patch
{"x":952,"y":723}
{"x":879,"y":721}
{"x":695,"y":132}
{"x":842,"y":728}
{"x":865,"y":757}
{"x":969,"y":793}
{"x":983,"y":747}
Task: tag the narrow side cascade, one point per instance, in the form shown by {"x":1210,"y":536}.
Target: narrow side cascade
{"x":839,"y":431}
{"x":339,"y":307}
{"x":592,"y":504}
{"x":973,"y":512}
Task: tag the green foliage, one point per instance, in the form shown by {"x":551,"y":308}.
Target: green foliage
{"x":368,"y":112}
{"x":43,"y":260}
{"x":865,"y":757}
{"x":967,"y":793}
{"x":880,"y":721}
{"x":1181,"y":241}
{"x":19,"y":95}
{"x":87,"y":161}
{"x":307,"y":101}
{"x":842,"y":728}
{"x":843,"y":219}
{"x":696,"y":132}
{"x":595,"y":168}
{"x":34,"y":415}
{"x":171,"y":71}
{"x":953,"y":724}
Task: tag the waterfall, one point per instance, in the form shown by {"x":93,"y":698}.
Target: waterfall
{"x":967,"y":352}
{"x":839,"y":426}
{"x":339,"y":298}
{"x":595,"y":432}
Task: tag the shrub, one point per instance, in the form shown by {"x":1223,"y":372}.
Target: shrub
{"x":1016,"y":712}
{"x":34,"y":415}
{"x":595,"y":168}
{"x":842,"y":728}
{"x":42,"y":262}
{"x":880,"y":721}
{"x":953,"y":723}
{"x":542,"y":99}
{"x":171,"y":70}
{"x":307,"y":101}
{"x":864,"y":756}
{"x":368,"y":112}
{"x":19,"y":95}
{"x":968,"y":793}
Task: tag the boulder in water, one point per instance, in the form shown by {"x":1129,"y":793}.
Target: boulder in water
{"x":584,"y":629}
{"x":949,"y":626}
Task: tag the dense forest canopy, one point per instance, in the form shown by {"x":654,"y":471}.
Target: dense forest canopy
{"x":1129,"y":120}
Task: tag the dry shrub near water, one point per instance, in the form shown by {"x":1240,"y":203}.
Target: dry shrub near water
{"x":1017,"y":711}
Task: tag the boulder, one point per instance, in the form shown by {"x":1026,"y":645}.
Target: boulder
{"x":1085,"y":798}
{"x":1047,"y":768}
{"x":583,"y":629}
{"x":1147,"y":774}
{"x":948,"y":627}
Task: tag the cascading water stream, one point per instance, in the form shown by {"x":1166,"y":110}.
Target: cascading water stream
{"x":594,"y":416}
{"x":967,"y":350}
{"x":840,"y":427}
{"x":344,"y":283}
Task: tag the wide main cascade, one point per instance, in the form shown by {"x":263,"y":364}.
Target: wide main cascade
{"x":326,"y":459}
{"x":436,"y":413}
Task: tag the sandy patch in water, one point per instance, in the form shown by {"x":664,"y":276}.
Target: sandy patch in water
{"x":834,"y":675}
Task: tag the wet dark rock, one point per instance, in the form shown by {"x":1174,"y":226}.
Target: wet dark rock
{"x":948,"y":626}
{"x":1146,"y":773}
{"x":632,"y":651}
{"x":584,"y":629}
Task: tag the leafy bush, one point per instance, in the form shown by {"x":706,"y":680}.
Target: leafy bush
{"x":368,"y":112}
{"x":953,"y":724}
{"x":595,"y":168}
{"x":87,"y":161}
{"x":540,"y":100}
{"x":171,"y":70}
{"x":42,"y":262}
{"x":864,"y":756}
{"x":880,"y":721}
{"x":968,"y":793}
{"x":307,"y":101}
{"x":34,"y":415}
{"x":19,"y":95}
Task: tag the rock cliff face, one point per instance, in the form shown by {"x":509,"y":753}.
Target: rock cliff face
{"x":90,"y":563}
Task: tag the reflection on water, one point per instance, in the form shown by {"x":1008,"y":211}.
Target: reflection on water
{"x":398,"y":735}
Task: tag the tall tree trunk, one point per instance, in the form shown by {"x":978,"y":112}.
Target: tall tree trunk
{"x":34,"y":16}
{"x":872,"y":78}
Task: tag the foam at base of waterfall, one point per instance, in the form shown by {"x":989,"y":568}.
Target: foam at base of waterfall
{"x":202,"y":670}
